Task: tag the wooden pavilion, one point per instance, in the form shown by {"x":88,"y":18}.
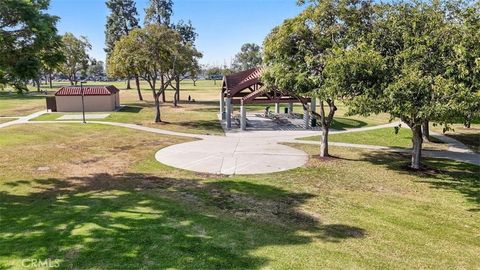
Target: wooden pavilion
{"x":245,"y":88}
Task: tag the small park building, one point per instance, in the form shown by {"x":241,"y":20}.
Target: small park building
{"x":96,"y":99}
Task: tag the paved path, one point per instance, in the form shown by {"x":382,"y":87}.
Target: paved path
{"x":467,"y":157}
{"x":253,"y":152}
{"x":22,"y":119}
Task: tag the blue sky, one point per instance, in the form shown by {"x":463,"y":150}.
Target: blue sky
{"x":223,"y":25}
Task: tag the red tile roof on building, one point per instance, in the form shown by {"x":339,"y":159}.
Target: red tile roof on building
{"x":87,"y":90}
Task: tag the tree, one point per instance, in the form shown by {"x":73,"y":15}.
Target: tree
{"x":186,"y":59}
{"x":122,"y":19}
{"x":52,"y":59}
{"x":96,"y":68}
{"x":76,"y":56}
{"x":213,"y":73}
{"x":186,"y":31}
{"x":465,"y":68}
{"x":25,"y":32}
{"x":159,"y":11}
{"x":295,"y":53}
{"x":185,"y":64}
{"x":250,"y":56}
{"x":151,"y":53}
{"x":403,"y":68}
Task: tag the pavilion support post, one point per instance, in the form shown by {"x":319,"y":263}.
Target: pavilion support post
{"x":243,"y":119}
{"x":290,"y":108}
{"x":222,"y":106}
{"x":277,"y":108}
{"x":306,"y":119}
{"x":229,"y":113}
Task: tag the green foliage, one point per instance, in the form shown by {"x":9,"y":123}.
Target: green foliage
{"x":121,"y":20}
{"x":464,"y":70}
{"x":96,"y":68}
{"x":152,"y":53}
{"x":186,"y":31}
{"x":250,"y":56}
{"x":25,"y":32}
{"x":75,"y":50}
{"x":418,"y":64}
{"x":159,"y":11}
{"x":296,"y":53}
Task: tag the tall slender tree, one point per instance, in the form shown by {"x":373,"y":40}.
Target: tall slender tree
{"x":151,"y":57}
{"x":121,"y":20}
{"x":186,"y":61}
{"x":159,"y":11}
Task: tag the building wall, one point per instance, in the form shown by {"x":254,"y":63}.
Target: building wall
{"x":92,"y":103}
{"x":117,"y":99}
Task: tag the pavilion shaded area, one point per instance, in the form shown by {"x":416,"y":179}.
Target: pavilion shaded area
{"x":245,"y":88}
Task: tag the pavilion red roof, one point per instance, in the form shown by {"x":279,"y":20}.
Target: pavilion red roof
{"x":243,"y":79}
{"x":87,"y":90}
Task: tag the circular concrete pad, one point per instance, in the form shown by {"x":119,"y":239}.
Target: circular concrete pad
{"x":224,"y":155}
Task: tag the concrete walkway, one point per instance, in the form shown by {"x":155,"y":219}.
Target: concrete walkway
{"x":22,"y":119}
{"x":467,"y":157}
{"x":253,"y":152}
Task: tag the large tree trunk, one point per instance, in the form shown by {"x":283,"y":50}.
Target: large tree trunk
{"x":163,"y":87}
{"x":137,"y":82}
{"x":37,"y":82}
{"x":158,"y":118}
{"x":194,"y":82}
{"x":176,"y":97}
{"x":324,"y":141}
{"x":128,"y":84}
{"x":417,"y":146}
{"x":426,"y":131}
{"x":468,"y":121}
{"x":326,"y":121}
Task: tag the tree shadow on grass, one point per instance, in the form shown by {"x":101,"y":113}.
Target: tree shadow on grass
{"x":132,"y":220}
{"x":207,"y":125}
{"x":438,"y":173}
{"x":341,"y":123}
{"x":131,"y":109}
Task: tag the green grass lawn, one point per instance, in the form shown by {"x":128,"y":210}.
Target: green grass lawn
{"x":93,"y":196}
{"x":381,"y":137}
{"x":4,"y":120}
{"x":20,"y":105}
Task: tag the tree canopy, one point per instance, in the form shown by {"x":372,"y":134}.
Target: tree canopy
{"x":295,"y":53}
{"x":76,"y":56}
{"x":250,"y":56}
{"x":26,"y":34}
{"x":159,"y":11}
{"x":412,"y":65}
{"x":146,"y":53}
{"x":121,"y":20}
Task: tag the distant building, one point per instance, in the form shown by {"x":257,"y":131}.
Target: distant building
{"x":96,"y":99}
